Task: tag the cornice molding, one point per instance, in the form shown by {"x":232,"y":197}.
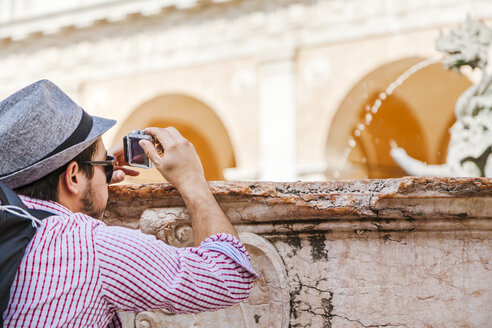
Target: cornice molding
{"x":19,"y":26}
{"x":395,"y":16}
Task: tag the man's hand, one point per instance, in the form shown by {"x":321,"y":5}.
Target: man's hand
{"x":179,"y":164}
{"x":120,"y":169}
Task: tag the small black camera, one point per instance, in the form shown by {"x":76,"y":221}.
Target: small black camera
{"x":134,"y":153}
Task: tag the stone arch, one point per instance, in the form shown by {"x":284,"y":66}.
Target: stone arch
{"x":417,"y":114}
{"x":195,"y":120}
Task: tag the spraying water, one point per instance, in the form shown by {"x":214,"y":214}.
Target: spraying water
{"x":372,"y":110}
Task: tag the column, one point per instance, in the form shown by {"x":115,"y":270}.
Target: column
{"x":277,"y":108}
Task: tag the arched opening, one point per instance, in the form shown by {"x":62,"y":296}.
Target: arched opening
{"x":416,"y":116}
{"x":395,"y":122}
{"x":195,"y":121}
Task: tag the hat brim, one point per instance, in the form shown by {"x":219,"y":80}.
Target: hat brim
{"x":40,"y":169}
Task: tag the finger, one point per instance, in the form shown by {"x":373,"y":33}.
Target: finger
{"x":128,"y":171}
{"x":163,"y":136}
{"x":175,"y":134}
{"x":153,"y":131}
{"x":150,"y":151}
{"x":118,"y":176}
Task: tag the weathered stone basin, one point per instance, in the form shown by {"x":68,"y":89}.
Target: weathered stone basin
{"x":409,"y":252}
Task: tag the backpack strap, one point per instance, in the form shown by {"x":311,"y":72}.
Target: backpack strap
{"x":8,"y":197}
{"x":40,"y":214}
{"x":15,"y":234}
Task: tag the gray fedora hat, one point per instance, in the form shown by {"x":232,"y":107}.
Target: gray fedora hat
{"x":42,"y":129}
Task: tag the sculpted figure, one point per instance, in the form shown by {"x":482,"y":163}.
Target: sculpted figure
{"x":469,"y":150}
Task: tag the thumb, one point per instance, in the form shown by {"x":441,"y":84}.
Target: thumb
{"x":150,"y":151}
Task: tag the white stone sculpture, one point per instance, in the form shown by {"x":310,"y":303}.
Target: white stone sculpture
{"x":469,"y":150}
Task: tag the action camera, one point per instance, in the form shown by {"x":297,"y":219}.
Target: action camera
{"x":134,"y":153}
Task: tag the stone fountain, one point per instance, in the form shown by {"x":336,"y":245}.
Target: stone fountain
{"x":408,"y":252}
{"x":470,"y":146}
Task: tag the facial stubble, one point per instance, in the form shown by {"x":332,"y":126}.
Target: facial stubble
{"x":89,"y":206}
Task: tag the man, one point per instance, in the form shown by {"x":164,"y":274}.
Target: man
{"x":78,"y":272}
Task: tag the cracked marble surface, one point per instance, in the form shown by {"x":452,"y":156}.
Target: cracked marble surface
{"x":409,"y":252}
{"x":415,"y":279}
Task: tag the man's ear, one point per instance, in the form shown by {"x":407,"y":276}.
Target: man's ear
{"x":71,"y":178}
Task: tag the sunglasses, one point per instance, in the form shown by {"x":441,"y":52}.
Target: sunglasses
{"x":108,"y":166}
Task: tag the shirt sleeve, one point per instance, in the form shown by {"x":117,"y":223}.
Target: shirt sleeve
{"x":139,"y":272}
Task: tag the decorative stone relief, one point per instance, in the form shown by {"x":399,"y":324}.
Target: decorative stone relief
{"x":267,"y":306}
{"x":171,"y":225}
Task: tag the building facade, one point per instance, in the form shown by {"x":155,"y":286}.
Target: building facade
{"x":266,"y":90}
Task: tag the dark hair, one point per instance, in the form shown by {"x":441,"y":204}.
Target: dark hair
{"x":46,"y":188}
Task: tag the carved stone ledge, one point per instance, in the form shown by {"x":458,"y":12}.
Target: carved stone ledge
{"x":411,"y":203}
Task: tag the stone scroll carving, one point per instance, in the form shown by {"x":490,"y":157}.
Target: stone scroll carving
{"x":171,"y":225}
{"x":268,"y":304}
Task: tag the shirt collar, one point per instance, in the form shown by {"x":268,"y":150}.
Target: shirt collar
{"x":46,"y":205}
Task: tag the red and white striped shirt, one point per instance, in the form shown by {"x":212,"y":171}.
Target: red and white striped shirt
{"x":78,"y":272}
